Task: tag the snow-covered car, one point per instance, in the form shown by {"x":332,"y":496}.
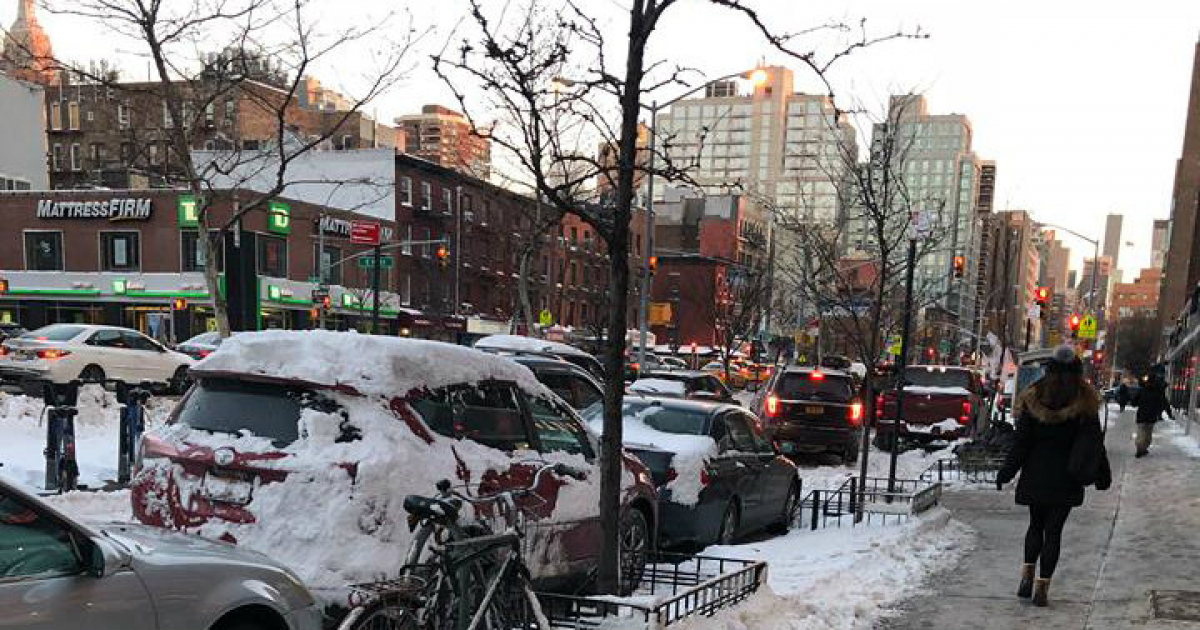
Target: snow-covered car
{"x":682,"y":384}
{"x":718,"y":476}
{"x":59,"y":574}
{"x":573,"y":384}
{"x":517,"y":344}
{"x":303,"y":445}
{"x":92,"y":353}
{"x":201,"y":345}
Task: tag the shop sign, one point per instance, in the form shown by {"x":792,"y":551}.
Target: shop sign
{"x":188,"y":211}
{"x":279,"y":217}
{"x":342,"y":227}
{"x":111,"y":209}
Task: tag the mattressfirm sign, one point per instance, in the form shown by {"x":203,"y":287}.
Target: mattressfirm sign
{"x":111,"y":209}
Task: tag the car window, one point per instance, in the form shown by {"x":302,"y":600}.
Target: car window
{"x":560,"y":384}
{"x":556,"y":429}
{"x":740,"y":434}
{"x":586,"y":392}
{"x":137,"y":341}
{"x":231,"y":406}
{"x":720,"y":433}
{"x":32,"y":544}
{"x":487,"y":413}
{"x":937,"y":377}
{"x":802,"y":385}
{"x":106,"y":338}
{"x":761,"y":443}
{"x":55,"y":332}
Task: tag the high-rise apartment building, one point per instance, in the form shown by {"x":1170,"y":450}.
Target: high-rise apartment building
{"x":1112,"y":243}
{"x":1159,"y":241}
{"x":1183,"y":256}
{"x":444,"y":136}
{"x":1013,"y":249}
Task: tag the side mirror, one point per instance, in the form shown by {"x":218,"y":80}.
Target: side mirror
{"x":101,"y":558}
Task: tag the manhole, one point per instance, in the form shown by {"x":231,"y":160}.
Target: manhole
{"x":1175,"y":605}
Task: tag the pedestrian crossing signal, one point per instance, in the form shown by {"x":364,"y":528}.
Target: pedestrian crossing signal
{"x":3,"y":286}
{"x":1074,"y":322}
{"x":960,"y":266}
{"x":178,"y":304}
{"x":443,"y":256}
{"x":1042,"y":296}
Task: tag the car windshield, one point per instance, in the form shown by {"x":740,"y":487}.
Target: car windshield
{"x":937,"y":377}
{"x":801,"y":385}
{"x":669,"y":419}
{"x":54,"y":332}
{"x":231,"y":406}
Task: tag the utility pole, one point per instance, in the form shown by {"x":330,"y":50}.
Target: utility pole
{"x":915,"y":230}
{"x":375,"y":291}
{"x":647,"y":240}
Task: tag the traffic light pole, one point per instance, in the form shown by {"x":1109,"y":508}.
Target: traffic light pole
{"x":375,"y":292}
{"x":902,"y":362}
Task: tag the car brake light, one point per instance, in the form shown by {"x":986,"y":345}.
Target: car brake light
{"x":3,"y":351}
{"x":965,"y":418}
{"x":203,"y":353}
{"x":772,"y":406}
{"x":817,"y":376}
{"x":52,"y":353}
{"x":854,"y":413}
{"x":879,"y":406}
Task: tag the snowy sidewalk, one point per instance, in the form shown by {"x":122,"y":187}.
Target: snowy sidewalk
{"x":1138,"y":537}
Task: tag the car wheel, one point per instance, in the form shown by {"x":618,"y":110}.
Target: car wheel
{"x":92,"y":374}
{"x":727,"y":535}
{"x":635,"y":546}
{"x":179,"y":381}
{"x":790,"y":505}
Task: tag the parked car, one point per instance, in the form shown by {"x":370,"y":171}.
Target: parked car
{"x":572,"y":383}
{"x":682,"y":384}
{"x":737,"y":374}
{"x":201,"y":345}
{"x":633,"y":369}
{"x":61,"y":353}
{"x":672,"y":363}
{"x":517,"y":344}
{"x":8,"y":330}
{"x":812,"y":410}
{"x":756,"y":375}
{"x":335,"y":429}
{"x":941,"y":402}
{"x":57,"y":573}
{"x":718,"y":476}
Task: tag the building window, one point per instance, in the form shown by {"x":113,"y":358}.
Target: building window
{"x":91,"y":116}
{"x":230,"y":111}
{"x":166,"y":116}
{"x":123,"y":115}
{"x":327,"y":257}
{"x":55,"y":116}
{"x":406,"y":191}
{"x":486,"y":212}
{"x":43,"y":251}
{"x":448,"y":200}
{"x":193,"y":252}
{"x":98,"y":155}
{"x":210,"y":114}
{"x":406,"y":245}
{"x":272,"y":256}
{"x":76,"y":157}
{"x":73,"y":116}
{"x":153,"y":153}
{"x":119,"y":251}
{"x":426,"y":196}
{"x":56,"y":158}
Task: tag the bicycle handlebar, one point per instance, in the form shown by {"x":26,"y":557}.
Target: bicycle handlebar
{"x":562,"y":470}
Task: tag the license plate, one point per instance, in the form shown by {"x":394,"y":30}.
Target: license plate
{"x":814,"y":410}
{"x":227,"y":490}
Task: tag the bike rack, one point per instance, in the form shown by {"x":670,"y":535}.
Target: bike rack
{"x":133,"y":423}
{"x":62,"y":469}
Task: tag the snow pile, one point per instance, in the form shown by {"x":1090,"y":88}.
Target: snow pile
{"x":368,"y":364}
{"x":949,"y":425}
{"x":23,"y":427}
{"x":658,"y":386}
{"x":840,"y":578}
{"x":518,"y":343}
{"x":1188,"y":443}
{"x":909,"y":465}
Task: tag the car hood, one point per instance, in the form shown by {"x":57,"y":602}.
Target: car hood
{"x":163,"y":546}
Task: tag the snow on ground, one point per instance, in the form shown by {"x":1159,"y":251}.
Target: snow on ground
{"x":1174,"y":431}
{"x":909,"y":465}
{"x":843,"y":578}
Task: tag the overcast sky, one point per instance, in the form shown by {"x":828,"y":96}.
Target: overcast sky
{"x":1080,"y":102}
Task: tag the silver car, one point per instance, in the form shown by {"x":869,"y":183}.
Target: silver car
{"x":58,"y":574}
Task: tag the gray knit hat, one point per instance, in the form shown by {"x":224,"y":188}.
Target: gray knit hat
{"x":1064,"y":359}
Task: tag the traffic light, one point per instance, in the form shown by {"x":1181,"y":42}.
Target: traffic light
{"x":1098,"y":357}
{"x":314,"y":313}
{"x":443,"y":256}
{"x":652,"y":264}
{"x":960,"y":266}
{"x":326,"y":302}
{"x":3,"y":286}
{"x":320,"y":298}
{"x":1041,"y":295}
{"x":1073,"y":322}
{"x":178,"y":304}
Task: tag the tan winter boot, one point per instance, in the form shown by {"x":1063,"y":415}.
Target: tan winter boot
{"x":1025,"y":590}
{"x":1041,"y":592}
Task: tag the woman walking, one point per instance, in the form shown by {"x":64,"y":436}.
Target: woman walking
{"x":1052,"y":416}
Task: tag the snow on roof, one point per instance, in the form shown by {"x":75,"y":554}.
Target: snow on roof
{"x":518,"y":343}
{"x":659,"y":386}
{"x":370,"y":364}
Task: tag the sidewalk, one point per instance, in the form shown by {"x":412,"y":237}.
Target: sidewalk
{"x":1142,"y":535}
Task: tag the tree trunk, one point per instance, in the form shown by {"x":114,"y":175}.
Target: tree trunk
{"x":525,"y":307}
{"x":212,"y":277}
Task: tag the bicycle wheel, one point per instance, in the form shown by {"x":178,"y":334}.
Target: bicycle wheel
{"x":382,"y":614}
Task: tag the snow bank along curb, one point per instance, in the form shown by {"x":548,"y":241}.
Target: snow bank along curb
{"x":1188,"y":443}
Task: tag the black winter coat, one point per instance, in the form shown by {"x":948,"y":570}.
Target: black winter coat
{"x":1043,"y":447}
{"x":1152,"y":402}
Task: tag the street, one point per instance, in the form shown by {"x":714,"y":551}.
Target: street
{"x":1118,"y":549}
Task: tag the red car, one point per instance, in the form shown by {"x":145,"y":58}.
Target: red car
{"x":941,"y":402}
{"x":303,"y":445}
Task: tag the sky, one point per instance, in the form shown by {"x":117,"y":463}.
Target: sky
{"x":1081,"y":103}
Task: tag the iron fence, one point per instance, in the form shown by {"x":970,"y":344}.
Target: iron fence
{"x":882,"y":502}
{"x":973,"y":469}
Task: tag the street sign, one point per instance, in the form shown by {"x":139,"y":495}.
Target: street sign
{"x":659,"y":314}
{"x":1087,"y":327}
{"x":896,"y":346}
{"x":546,"y":318}
{"x":368,"y":262}
{"x":364,"y":232}
{"x":945,"y":346}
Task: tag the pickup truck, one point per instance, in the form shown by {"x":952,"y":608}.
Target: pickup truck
{"x":941,"y":402}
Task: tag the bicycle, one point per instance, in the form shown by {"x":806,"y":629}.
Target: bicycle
{"x":474,"y":579}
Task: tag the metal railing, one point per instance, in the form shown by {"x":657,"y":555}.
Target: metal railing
{"x":882,"y":502}
{"x":973,"y":469}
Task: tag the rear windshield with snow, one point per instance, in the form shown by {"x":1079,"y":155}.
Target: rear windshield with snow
{"x":230,"y":406}
{"x":669,"y":420}
{"x":926,"y":377}
{"x":802,"y":385}
{"x":56,"y":332}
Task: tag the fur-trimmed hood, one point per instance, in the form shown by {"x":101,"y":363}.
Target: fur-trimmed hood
{"x":1087,"y":403}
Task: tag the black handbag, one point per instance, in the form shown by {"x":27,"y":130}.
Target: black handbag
{"x":1088,"y":463}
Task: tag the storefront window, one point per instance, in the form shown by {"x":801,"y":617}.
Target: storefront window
{"x":330,"y":255}
{"x":192,"y":253}
{"x":119,"y":251}
{"x":43,"y":251}
{"x":272,"y":256}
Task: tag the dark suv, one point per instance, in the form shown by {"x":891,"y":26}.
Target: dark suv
{"x":572,"y":383}
{"x":811,"y":410}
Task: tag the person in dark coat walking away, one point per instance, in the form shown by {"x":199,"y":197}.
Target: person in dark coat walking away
{"x":1122,"y":395}
{"x":1050,"y":415}
{"x":1151,"y":403}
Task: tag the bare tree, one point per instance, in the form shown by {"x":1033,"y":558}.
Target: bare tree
{"x":526,"y":56}
{"x":740,"y":304}
{"x":250,"y":58}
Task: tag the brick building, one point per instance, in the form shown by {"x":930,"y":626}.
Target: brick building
{"x":443,"y":136}
{"x":1139,"y":296}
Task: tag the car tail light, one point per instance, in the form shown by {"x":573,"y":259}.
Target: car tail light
{"x":4,"y":351}
{"x":704,"y":478}
{"x":854,"y":414}
{"x":203,"y":353}
{"x":817,"y":376}
{"x":879,"y":406}
{"x":772,"y":406}
{"x":51,"y":353}
{"x":965,"y":418}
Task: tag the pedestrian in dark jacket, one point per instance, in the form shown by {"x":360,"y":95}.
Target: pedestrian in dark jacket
{"x":1122,"y":395}
{"x":1050,"y":416}
{"x":1151,"y":403}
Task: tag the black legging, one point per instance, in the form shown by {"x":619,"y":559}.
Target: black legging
{"x":1044,"y":538}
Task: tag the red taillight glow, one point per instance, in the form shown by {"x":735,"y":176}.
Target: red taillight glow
{"x":3,"y":351}
{"x":817,"y":376}
{"x":704,"y":478}
{"x":772,"y":406}
{"x":854,"y":413}
{"x":965,"y":418}
{"x":879,"y":406}
{"x":204,"y":353}
{"x":51,"y":353}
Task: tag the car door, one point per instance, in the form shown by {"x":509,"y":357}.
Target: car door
{"x":777,"y":473}
{"x":109,"y":350}
{"x":731,"y":478}
{"x":43,"y":583}
{"x":152,"y":361}
{"x":751,"y":467}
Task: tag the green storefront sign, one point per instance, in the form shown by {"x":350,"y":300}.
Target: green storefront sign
{"x":279,"y":218}
{"x":187,"y":211}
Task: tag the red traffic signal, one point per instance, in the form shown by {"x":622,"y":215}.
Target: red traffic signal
{"x":178,"y":304}
{"x":1073,"y":322}
{"x":443,"y":255}
{"x":652,"y":264}
{"x":960,"y":266}
{"x":326,"y":302}
{"x":3,"y":286}
{"x":1042,"y":295}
